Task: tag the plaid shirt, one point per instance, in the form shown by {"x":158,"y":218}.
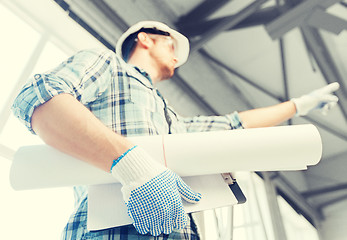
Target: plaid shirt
{"x":125,"y":100}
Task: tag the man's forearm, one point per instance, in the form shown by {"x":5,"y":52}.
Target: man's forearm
{"x":67,"y":125}
{"x":268,"y":116}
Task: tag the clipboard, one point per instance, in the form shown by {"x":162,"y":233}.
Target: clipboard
{"x":106,"y":207}
{"x":234,"y":187}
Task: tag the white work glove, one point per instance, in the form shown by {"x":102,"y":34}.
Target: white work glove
{"x":321,"y":99}
{"x":152,"y":193}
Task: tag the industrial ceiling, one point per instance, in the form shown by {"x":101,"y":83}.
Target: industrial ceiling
{"x":247,"y":54}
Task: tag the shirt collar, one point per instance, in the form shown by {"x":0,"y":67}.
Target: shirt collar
{"x":143,"y":73}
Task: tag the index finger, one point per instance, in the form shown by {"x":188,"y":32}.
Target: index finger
{"x":332,"y":87}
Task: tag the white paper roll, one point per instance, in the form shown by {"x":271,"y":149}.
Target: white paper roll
{"x":258,"y":149}
{"x":189,"y":154}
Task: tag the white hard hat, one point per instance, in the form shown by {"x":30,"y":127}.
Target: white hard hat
{"x":182,"y":43}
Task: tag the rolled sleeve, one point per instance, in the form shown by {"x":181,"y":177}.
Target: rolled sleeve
{"x":213,"y":123}
{"x":24,"y":106}
{"x":234,"y":120}
{"x":46,"y":86}
{"x":84,"y":75}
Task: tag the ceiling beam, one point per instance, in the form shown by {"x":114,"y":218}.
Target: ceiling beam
{"x":202,"y":11}
{"x":197,"y":98}
{"x":296,"y":16}
{"x":325,"y":61}
{"x":110,"y":14}
{"x":331,"y":202}
{"x":323,"y":20}
{"x":66,"y":7}
{"x":261,"y":17}
{"x":326,"y":3}
{"x":239,"y":75}
{"x":226,"y":24}
{"x":324,"y":190}
{"x":220,"y":74}
{"x":334,"y":157}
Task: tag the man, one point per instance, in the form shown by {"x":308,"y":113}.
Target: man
{"x":88,"y":105}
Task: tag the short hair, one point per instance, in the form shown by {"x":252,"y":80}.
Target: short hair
{"x":131,"y":41}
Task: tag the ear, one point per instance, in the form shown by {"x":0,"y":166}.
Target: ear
{"x":144,"y":40}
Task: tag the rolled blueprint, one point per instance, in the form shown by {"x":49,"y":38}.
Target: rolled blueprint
{"x":187,"y":154}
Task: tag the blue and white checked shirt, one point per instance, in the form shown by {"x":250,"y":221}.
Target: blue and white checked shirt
{"x":125,"y":100}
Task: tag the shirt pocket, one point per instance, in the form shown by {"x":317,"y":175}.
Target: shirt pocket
{"x":148,"y":107}
{"x":143,"y":96}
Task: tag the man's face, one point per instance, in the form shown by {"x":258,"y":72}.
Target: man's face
{"x":163,"y":53}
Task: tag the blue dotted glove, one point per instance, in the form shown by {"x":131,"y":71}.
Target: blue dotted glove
{"x":152,"y":193}
{"x":321,"y":99}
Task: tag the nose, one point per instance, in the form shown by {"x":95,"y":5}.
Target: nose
{"x":175,"y":59}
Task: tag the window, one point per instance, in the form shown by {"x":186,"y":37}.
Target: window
{"x":296,"y":226}
{"x":34,"y":214}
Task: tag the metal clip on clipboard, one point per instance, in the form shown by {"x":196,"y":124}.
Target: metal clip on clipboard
{"x":234,"y":187}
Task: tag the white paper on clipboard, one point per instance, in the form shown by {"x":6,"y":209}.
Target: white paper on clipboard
{"x":106,"y":207}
